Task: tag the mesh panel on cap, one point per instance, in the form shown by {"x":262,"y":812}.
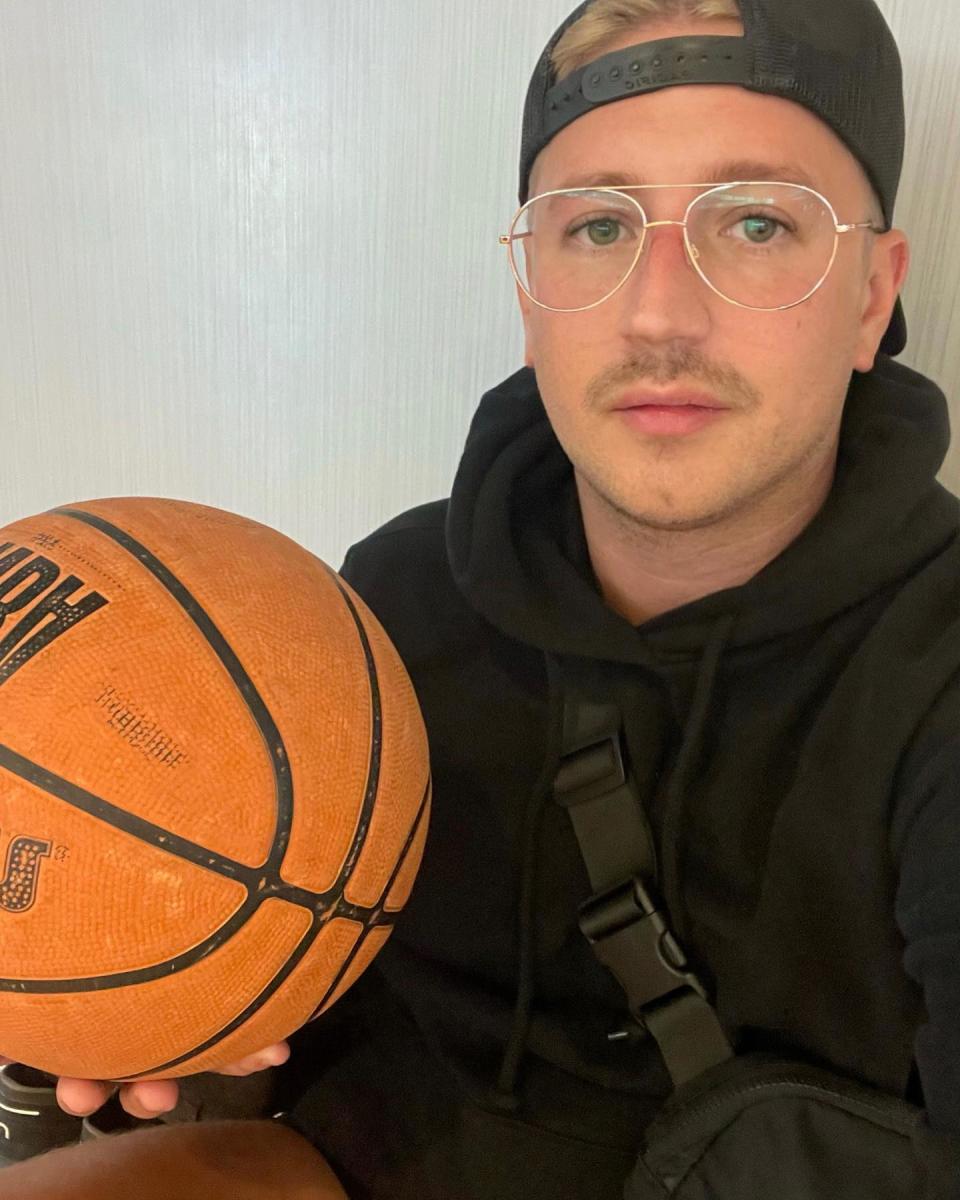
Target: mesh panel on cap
{"x":838,"y":58}
{"x":531,"y":138}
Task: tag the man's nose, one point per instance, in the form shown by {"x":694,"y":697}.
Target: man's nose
{"x":664,"y":299}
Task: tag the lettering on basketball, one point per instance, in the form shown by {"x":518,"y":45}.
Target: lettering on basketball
{"x":18,"y":889}
{"x":35,"y":608}
{"x":138,"y":730}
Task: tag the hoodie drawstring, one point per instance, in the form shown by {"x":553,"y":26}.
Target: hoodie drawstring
{"x":688,"y":760}
{"x":541,"y":793}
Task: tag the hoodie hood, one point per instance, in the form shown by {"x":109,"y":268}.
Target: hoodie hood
{"x":768,"y":778}
{"x":518,"y":553}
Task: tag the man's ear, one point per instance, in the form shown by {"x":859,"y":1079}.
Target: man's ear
{"x":526,"y":312}
{"x":889,"y":264}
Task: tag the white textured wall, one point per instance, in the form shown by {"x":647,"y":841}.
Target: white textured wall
{"x":248,"y":247}
{"x":928,"y":32}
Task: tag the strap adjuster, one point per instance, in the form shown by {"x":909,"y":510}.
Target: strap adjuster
{"x":631,"y":938}
{"x":624,"y":924}
{"x":589,"y":772}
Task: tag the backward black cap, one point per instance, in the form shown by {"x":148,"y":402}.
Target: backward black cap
{"x":837,"y":58}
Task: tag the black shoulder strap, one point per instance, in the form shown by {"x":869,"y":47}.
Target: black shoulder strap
{"x":623,"y":920}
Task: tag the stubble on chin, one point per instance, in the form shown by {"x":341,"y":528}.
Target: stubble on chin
{"x":672,"y":502}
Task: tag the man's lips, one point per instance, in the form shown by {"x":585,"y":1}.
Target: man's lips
{"x":668,"y":414}
{"x":671,"y":399}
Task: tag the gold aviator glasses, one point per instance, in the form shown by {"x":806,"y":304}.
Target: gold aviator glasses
{"x":761,"y":245}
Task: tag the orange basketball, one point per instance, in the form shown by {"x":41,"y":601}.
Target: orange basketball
{"x":214,"y":788}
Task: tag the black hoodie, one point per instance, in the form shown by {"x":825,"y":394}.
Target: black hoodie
{"x":797,"y":744}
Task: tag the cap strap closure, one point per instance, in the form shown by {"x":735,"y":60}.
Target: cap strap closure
{"x":645,"y":68}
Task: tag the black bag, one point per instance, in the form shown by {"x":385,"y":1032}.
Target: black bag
{"x":737,"y":1127}
{"x":758,"y":1126}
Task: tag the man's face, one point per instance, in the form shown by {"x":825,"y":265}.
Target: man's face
{"x":780,"y":377}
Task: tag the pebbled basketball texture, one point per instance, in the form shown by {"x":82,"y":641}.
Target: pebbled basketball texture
{"x":214,"y":788}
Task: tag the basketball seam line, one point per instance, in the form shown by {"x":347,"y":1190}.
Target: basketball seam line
{"x":273,"y":742}
{"x":300,"y":951}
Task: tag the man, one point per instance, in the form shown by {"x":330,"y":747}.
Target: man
{"x":713,"y":491}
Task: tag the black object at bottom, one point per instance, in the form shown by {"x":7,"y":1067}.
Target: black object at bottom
{"x":110,"y":1119}
{"x":31,"y":1121}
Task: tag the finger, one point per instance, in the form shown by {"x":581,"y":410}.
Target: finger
{"x":150,"y":1098}
{"x":80,"y":1097}
{"x":6,"y":1062}
{"x":271,"y":1056}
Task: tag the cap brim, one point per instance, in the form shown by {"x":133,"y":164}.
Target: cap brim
{"x":895,"y":339}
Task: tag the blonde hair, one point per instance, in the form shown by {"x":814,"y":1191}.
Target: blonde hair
{"x":606,"y":19}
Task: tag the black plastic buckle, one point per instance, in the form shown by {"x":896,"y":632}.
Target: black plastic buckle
{"x":630,"y":937}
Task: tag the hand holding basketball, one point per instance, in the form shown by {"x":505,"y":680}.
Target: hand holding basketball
{"x":81,"y":1097}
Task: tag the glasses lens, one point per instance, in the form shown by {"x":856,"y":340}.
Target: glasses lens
{"x":763,"y":245}
{"x":572,"y":249}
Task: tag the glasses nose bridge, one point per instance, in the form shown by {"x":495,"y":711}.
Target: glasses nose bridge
{"x":648,"y":225}
{"x":689,"y":249}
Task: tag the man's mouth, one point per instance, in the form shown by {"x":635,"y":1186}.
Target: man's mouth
{"x":647,"y":398}
{"x":668,"y":413}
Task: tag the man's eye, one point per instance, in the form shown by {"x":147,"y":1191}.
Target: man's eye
{"x":759,"y":229}
{"x":601,"y":231}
